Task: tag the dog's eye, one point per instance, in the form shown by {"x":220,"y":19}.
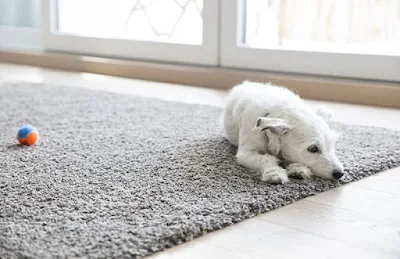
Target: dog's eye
{"x":313,"y":149}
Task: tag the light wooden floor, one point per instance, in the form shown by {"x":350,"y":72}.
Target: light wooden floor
{"x":358,"y":220}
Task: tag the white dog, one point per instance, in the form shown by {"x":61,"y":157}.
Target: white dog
{"x":278,"y":135}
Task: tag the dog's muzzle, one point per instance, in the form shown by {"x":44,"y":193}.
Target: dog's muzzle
{"x":337,"y":174}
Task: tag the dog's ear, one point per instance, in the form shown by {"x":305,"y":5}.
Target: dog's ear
{"x":275,"y":125}
{"x":325,"y":113}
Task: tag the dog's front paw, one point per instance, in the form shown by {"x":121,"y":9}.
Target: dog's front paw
{"x":299,"y":171}
{"x":274,"y":174}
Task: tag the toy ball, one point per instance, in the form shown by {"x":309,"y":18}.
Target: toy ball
{"x":27,"y":135}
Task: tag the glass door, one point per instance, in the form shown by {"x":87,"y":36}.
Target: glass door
{"x":354,"y":38}
{"x":184,"y":31}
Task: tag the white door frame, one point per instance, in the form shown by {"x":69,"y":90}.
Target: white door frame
{"x":205,"y":54}
{"x":362,"y":66}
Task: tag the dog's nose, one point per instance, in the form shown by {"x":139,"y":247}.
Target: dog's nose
{"x":337,"y":174}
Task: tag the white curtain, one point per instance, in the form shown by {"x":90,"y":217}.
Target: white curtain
{"x":24,"y":13}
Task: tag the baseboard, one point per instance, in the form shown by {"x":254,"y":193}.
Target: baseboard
{"x":317,"y":88}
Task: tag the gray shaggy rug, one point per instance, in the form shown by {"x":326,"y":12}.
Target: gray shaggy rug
{"x":118,"y":176}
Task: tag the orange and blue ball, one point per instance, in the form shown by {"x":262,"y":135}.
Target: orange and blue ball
{"x":27,"y":135}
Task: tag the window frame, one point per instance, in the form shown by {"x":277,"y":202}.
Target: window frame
{"x":357,"y":66}
{"x":223,"y":50}
{"x":204,"y":54}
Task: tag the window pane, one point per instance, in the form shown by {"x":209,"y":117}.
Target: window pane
{"x":23,"y":13}
{"x":323,"y":25}
{"x":175,"y":21}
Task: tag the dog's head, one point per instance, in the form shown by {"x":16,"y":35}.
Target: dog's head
{"x":307,"y":140}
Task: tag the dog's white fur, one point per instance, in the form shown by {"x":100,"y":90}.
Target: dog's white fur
{"x":271,"y":125}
